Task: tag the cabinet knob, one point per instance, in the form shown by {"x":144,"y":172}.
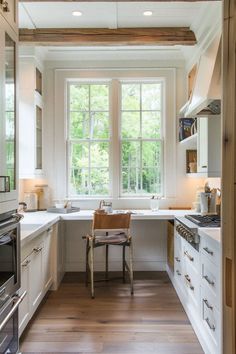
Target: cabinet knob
{"x":5,"y":6}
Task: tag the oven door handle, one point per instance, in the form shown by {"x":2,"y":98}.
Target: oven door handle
{"x":18,"y":300}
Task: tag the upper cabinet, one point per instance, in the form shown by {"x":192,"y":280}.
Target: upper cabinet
{"x":8,"y":9}
{"x":31,"y":118}
{"x":8,"y":116}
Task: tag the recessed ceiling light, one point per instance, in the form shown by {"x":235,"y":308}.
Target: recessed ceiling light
{"x":77,"y":13}
{"x":147,"y":13}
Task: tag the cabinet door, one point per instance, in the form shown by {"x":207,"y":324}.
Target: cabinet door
{"x":36,"y":276}
{"x":202,"y":148}
{"x":47,"y":260}
{"x":8,"y":118}
{"x":24,"y":308}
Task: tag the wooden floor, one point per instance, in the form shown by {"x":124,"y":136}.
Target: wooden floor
{"x":151,"y":321}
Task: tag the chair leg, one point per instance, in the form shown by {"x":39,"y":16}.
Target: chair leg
{"x":86,"y":263}
{"x":131,"y":268}
{"x":106,"y":275}
{"x":123,"y":264}
{"x":92,"y":269}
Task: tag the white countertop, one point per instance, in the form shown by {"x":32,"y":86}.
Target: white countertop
{"x":212,"y":232}
{"x":36,"y":222}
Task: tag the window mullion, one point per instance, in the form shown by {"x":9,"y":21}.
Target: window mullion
{"x":141,"y":144}
{"x":89,"y":143}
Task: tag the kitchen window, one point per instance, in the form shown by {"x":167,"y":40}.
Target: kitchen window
{"x":136,"y":147}
{"x":88,"y":139}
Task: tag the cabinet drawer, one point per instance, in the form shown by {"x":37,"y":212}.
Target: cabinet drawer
{"x":211,"y":321}
{"x":191,"y":258}
{"x":192,"y":284}
{"x":210,"y":249}
{"x":211,"y":279}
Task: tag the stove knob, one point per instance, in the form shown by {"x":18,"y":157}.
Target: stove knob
{"x":190,"y":238}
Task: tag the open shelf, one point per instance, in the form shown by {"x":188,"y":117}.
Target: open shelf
{"x":191,"y":138}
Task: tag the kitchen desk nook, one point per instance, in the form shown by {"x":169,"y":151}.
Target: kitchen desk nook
{"x":52,"y":245}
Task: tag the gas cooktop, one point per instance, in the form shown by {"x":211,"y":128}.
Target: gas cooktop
{"x":205,"y":220}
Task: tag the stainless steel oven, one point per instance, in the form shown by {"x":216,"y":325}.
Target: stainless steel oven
{"x":9,"y":338}
{"x":9,"y":256}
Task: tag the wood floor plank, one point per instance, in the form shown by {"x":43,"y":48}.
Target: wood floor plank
{"x":151,"y":321}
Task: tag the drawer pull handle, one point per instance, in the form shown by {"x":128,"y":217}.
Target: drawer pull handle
{"x":208,"y":251}
{"x":188,"y":255}
{"x":26,"y":263}
{"x":37,"y":249}
{"x":189,"y":282}
{"x":178,"y":272}
{"x":177,"y":259}
{"x":211,"y":326}
{"x":211,"y":282}
{"x":207,"y":304}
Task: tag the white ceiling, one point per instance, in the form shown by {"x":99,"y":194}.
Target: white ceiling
{"x":108,"y":14}
{"x":199,"y":16}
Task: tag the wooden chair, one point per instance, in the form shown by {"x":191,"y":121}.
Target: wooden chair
{"x":109,"y":230}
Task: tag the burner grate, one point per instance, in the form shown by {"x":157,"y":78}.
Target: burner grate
{"x":205,"y":220}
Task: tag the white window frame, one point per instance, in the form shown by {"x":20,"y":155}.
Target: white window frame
{"x":61,"y":77}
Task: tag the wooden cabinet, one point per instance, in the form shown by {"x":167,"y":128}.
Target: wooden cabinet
{"x":31,"y":118}
{"x":8,"y":117}
{"x":209,"y":146}
{"x":8,"y":9}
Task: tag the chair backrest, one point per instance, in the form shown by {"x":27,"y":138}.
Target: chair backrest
{"x":111,"y":221}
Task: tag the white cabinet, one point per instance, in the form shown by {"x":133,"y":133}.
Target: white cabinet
{"x":36,"y":276}
{"x":211,"y":293}
{"x":197,"y":280}
{"x":24,"y":308}
{"x":47,"y":260}
{"x":8,"y":9}
{"x":8,"y":117}
{"x":42,"y":268}
{"x":58,"y":254}
{"x":209,"y":146}
{"x":31,"y":118}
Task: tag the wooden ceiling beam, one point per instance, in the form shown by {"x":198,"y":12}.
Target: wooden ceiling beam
{"x":111,"y":37}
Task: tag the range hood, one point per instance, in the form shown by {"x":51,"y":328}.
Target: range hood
{"x":206,"y":96}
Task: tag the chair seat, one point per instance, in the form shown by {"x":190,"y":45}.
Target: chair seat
{"x":112,"y":239}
